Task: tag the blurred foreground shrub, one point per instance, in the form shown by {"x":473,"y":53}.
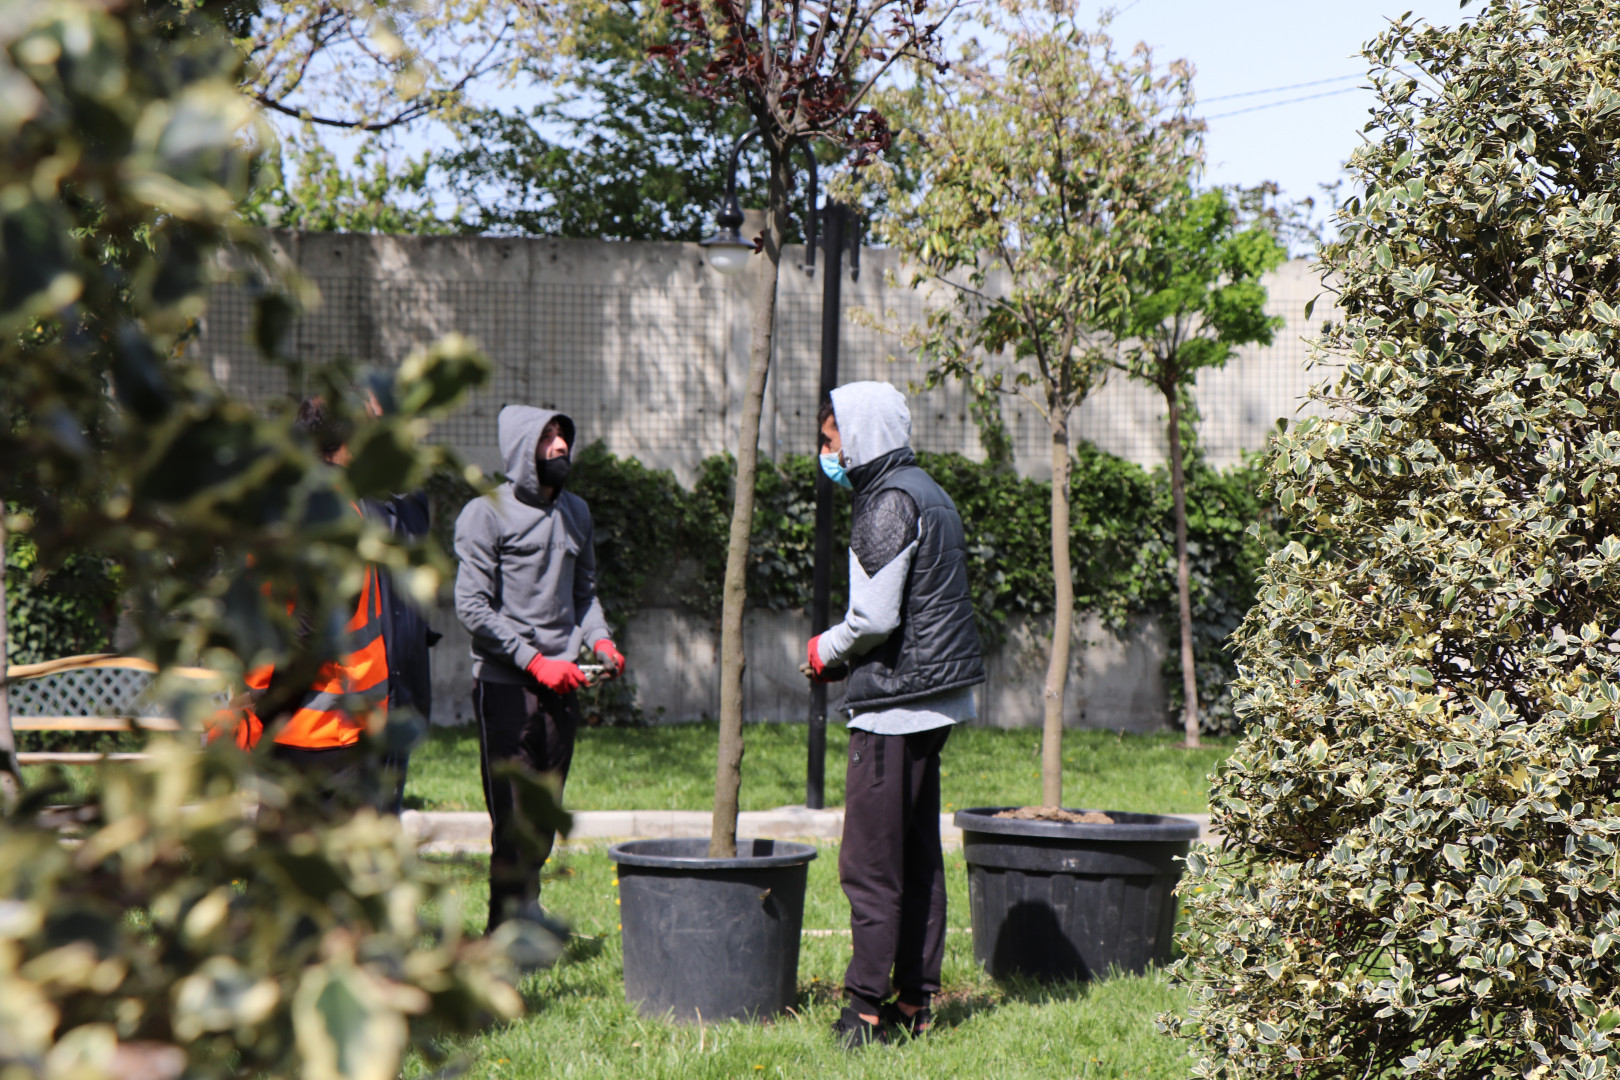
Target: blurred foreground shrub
{"x":200,"y":921}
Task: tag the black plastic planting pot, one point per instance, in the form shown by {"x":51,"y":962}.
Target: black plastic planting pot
{"x":711,"y":939}
{"x":1058,"y":901}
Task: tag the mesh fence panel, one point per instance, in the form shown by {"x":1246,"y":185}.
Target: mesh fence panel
{"x":641,"y":364}
{"x":1241,"y":402}
{"x":940,"y":420}
{"x":225,"y":348}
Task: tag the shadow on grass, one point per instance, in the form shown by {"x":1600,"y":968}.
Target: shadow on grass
{"x":580,"y":974}
{"x":952,"y":1008}
{"x":955,"y":1009}
{"x":582,"y":947}
{"x":459,"y":867}
{"x":818,"y":991}
{"x":1032,"y":991}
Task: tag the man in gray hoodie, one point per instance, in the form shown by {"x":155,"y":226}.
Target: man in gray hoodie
{"x":526,"y":591}
{"x":910,"y":650}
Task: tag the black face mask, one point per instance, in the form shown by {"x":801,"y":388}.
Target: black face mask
{"x":553,"y":472}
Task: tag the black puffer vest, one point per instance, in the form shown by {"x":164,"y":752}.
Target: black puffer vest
{"x":936,"y":647}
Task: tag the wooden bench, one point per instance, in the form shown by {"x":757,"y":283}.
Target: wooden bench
{"x":100,"y":692}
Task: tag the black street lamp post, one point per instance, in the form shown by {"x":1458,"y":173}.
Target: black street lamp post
{"x":840,"y":228}
{"x":728,"y":253}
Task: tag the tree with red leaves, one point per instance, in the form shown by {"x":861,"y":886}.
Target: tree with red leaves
{"x":804,"y":70}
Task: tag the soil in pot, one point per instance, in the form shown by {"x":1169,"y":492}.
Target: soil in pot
{"x":1056,"y":813}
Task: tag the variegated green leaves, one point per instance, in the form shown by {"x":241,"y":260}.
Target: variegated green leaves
{"x":1420,"y":868}
{"x":194,"y":918}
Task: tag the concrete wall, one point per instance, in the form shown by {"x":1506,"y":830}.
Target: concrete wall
{"x":1114,"y":682}
{"x":646,"y":348}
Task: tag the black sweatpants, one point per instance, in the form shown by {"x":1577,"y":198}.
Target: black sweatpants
{"x":892,"y":867}
{"x":336,"y":779}
{"x":535,"y":727}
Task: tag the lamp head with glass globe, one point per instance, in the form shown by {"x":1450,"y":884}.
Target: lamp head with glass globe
{"x":726,"y":250}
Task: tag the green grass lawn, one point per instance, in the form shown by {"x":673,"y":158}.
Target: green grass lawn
{"x":579,"y":1025}
{"x":671,"y":767}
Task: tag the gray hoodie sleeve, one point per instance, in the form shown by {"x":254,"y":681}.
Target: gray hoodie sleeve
{"x":477,"y":581}
{"x":587,"y":605}
{"x":874,"y":609}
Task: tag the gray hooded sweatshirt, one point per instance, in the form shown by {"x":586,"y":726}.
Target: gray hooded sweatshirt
{"x":526,"y":585}
{"x":873,"y":421}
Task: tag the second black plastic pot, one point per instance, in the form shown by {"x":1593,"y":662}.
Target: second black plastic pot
{"x":711,"y":939}
{"x":1054,"y":900}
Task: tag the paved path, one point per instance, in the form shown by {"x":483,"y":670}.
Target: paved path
{"x":444,"y":832}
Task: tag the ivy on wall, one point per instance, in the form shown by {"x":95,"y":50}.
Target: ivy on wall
{"x":660,"y":544}
{"x":67,"y":611}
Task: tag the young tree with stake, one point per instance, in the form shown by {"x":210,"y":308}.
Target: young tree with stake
{"x":1043,"y":170}
{"x":1195,"y":298}
{"x":803,"y":70}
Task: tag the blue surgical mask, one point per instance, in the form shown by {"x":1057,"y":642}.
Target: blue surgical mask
{"x":834,"y":468}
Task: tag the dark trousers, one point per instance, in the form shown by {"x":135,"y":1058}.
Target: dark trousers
{"x":393,"y":796}
{"x":534,"y":727}
{"x":892,"y":867}
{"x":335,"y":779}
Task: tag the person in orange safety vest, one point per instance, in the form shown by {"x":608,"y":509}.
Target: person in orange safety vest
{"x":322,"y":732}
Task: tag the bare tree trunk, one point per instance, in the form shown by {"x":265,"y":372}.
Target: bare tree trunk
{"x":1057,"y":668}
{"x":10,"y":774}
{"x":728,"y":765}
{"x":1178,"y":492}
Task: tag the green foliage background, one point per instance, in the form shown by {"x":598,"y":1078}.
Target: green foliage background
{"x":68,"y":611}
{"x":659,"y":544}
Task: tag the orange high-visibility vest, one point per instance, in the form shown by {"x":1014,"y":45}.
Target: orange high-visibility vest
{"x":347,"y":691}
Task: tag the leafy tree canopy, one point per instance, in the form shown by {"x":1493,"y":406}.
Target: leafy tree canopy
{"x":1195,"y":297}
{"x":305,"y":186}
{"x":373,"y":67}
{"x":1044,"y":171}
{"x":617,"y":151}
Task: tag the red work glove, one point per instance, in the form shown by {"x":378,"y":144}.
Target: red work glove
{"x":556,"y":675}
{"x":609,"y":654}
{"x":818,"y":671}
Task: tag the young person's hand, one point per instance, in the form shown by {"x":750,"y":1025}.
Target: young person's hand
{"x":611,"y":658}
{"x":558,"y":676}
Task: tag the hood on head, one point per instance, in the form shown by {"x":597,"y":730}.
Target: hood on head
{"x":518,"y":429}
{"x":872,"y":421}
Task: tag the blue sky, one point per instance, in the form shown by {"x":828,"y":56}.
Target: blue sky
{"x":1252,"y":57}
{"x":1242,"y":46}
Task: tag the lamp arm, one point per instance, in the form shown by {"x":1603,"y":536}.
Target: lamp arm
{"x":810,"y":214}
{"x":854,"y":244}
{"x":731,"y":213}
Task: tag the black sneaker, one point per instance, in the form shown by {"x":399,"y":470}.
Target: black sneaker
{"x":854,"y":1032}
{"x":915,"y":1026}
